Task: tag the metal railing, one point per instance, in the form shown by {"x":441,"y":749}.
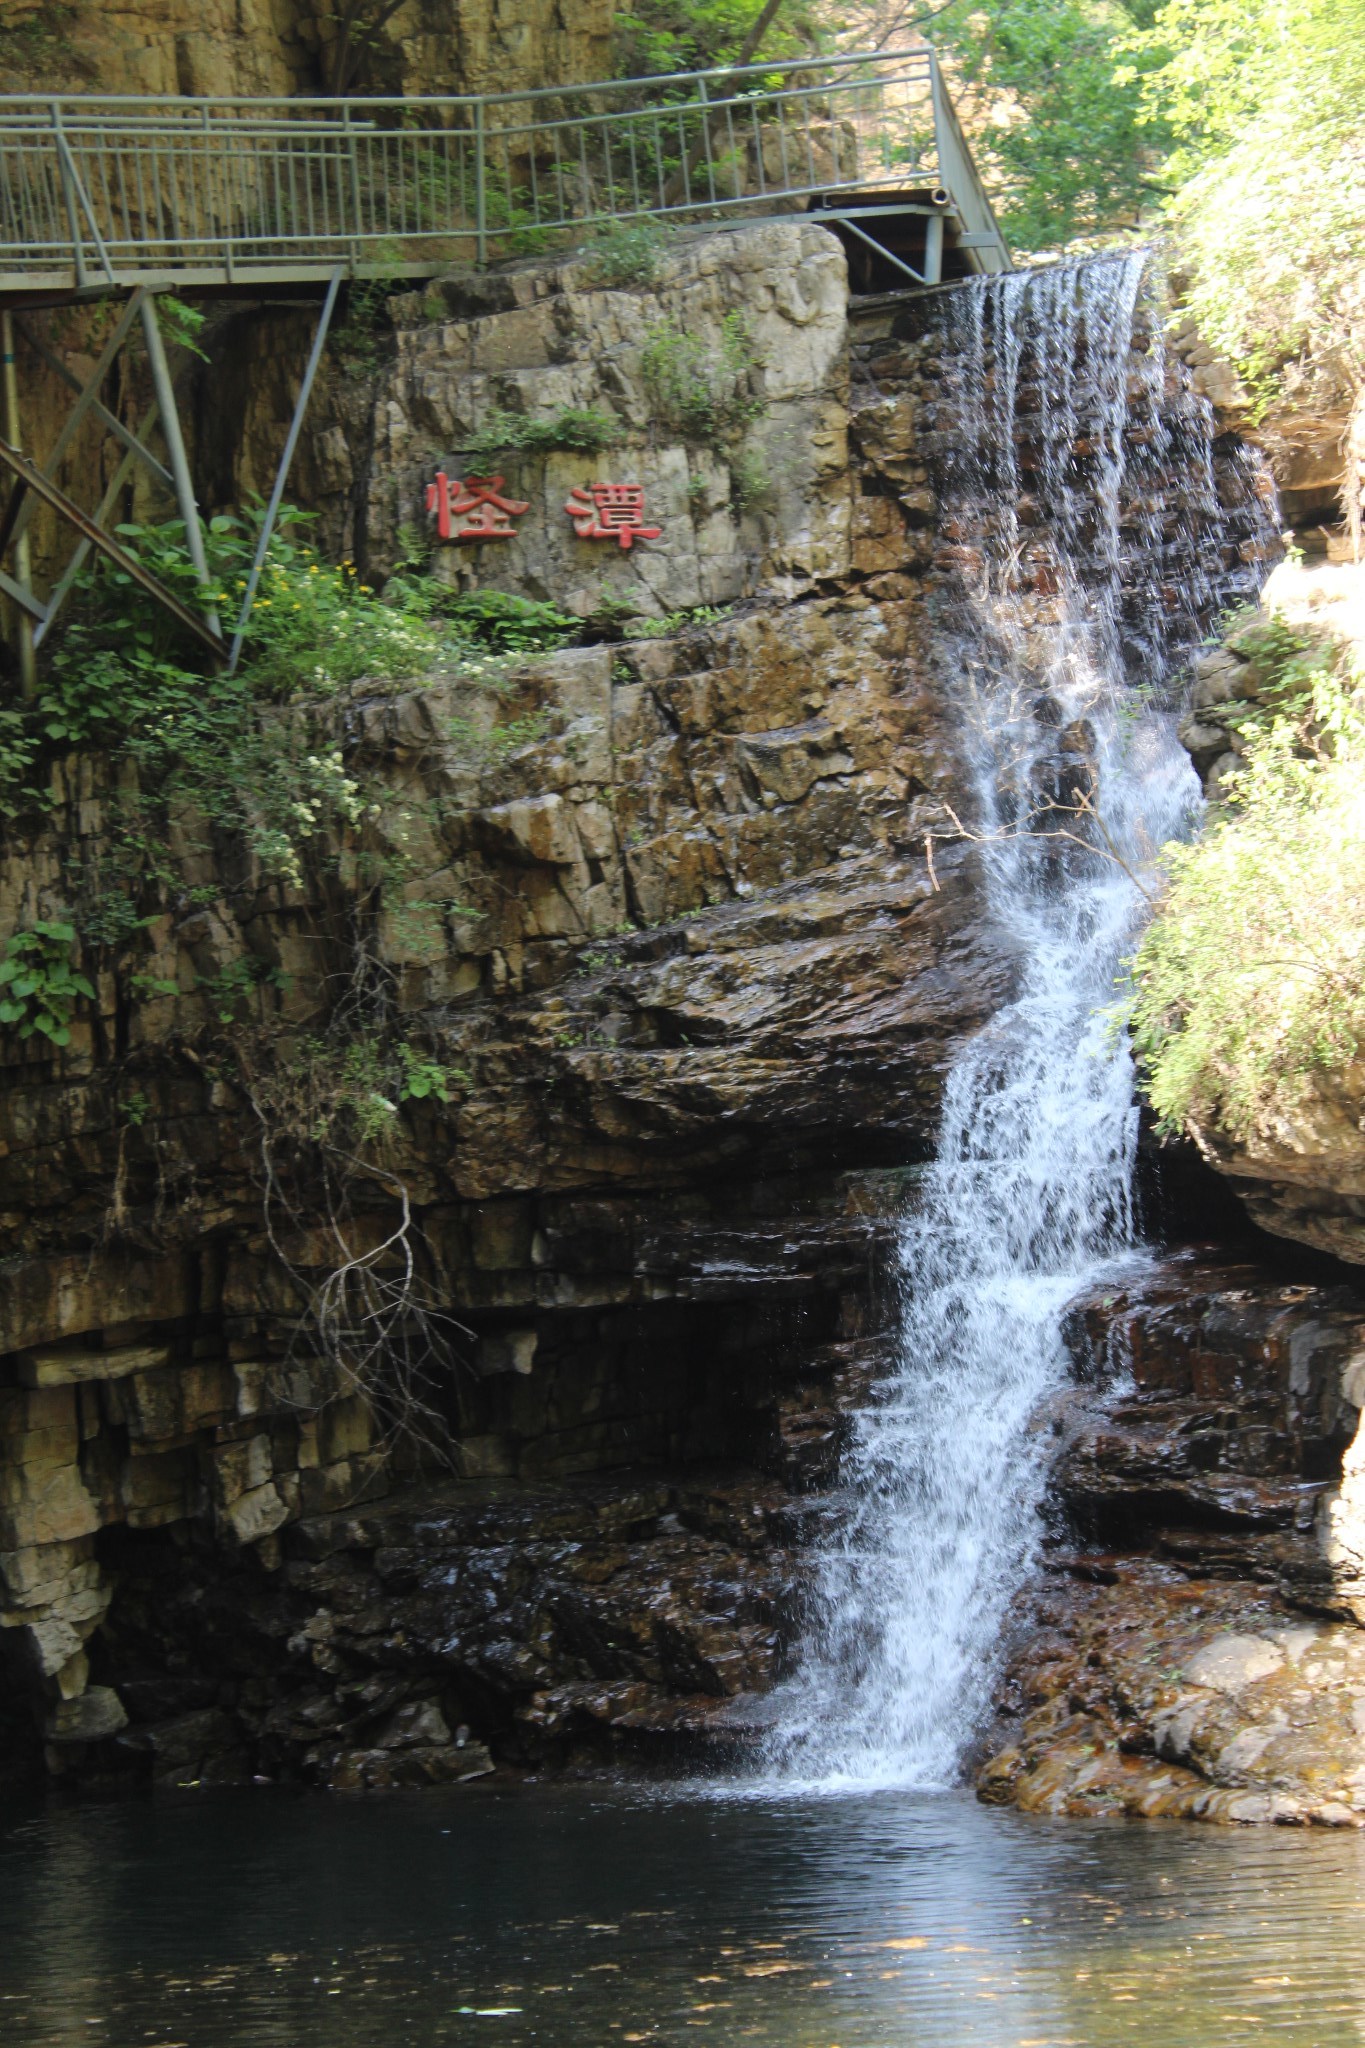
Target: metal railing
{"x":118,"y":190}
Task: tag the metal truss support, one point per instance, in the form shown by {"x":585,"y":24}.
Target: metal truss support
{"x":35,"y":483}
{"x":272,"y":510}
{"x":20,"y":508}
{"x":18,"y":589}
{"x":106,"y":508}
{"x":845,"y":221}
{"x":175,"y":448}
{"x":31,"y":477}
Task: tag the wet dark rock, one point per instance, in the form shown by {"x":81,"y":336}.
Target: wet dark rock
{"x":1200,"y":1653}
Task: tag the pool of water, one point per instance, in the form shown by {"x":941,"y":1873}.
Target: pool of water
{"x":571,"y":1915}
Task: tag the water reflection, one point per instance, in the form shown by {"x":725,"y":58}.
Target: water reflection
{"x":567,"y":1916}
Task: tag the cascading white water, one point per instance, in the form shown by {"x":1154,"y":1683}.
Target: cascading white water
{"x":1028,"y":1200}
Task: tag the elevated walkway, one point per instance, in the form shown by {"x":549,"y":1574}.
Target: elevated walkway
{"x":132,"y":198}
{"x":104,"y":194}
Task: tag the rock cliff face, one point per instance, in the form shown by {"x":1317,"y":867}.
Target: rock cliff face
{"x":697,"y":950}
{"x":251,"y":47}
{"x":1197,"y":1653}
{"x":684,"y":944}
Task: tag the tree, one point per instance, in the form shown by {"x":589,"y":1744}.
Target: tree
{"x":1267,"y":177}
{"x":1073,"y":152}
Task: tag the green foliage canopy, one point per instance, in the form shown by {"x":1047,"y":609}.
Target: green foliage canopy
{"x":1068,"y":150}
{"x":1264,"y":102}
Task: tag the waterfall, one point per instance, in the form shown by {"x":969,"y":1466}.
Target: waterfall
{"x":1079,"y":497}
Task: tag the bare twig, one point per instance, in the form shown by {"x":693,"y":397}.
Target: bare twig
{"x":1082,"y":808}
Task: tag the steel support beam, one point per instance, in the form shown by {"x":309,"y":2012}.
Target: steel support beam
{"x":175,"y":448}
{"x":32,"y":478}
{"x":107,"y":419}
{"x":880,"y":249}
{"x":272,"y":510}
{"x":17,"y":512}
{"x":106,"y":506}
{"x":20,"y":588}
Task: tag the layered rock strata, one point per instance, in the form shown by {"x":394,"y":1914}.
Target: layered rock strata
{"x":245,"y":48}
{"x":1195,"y":1649}
{"x":698,"y":943}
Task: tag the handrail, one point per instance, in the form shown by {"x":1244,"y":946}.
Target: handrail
{"x":118,"y":188}
{"x":923,"y":58}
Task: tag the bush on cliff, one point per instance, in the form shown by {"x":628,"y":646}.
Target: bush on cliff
{"x":1268,"y":173}
{"x":1250,"y":980}
{"x":126,"y":678}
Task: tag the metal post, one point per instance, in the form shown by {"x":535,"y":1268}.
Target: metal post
{"x":353,"y":159}
{"x":282,"y":474}
{"x":480,"y":194}
{"x":23,"y":560}
{"x":175,"y":448}
{"x":933,"y":249}
{"x":68,"y":194}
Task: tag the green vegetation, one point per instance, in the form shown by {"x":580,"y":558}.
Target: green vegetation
{"x":704,"y":394}
{"x":254,"y":756}
{"x":583,"y":427}
{"x":627,"y":252}
{"x":750,"y":484}
{"x":423,"y":1079}
{"x":486,"y":745}
{"x":1250,"y":980}
{"x":1268,"y":175}
{"x":509,"y":624}
{"x":38,"y":982}
{"x":1068,"y":147}
{"x":654,"y":36}
{"x":677,"y":622}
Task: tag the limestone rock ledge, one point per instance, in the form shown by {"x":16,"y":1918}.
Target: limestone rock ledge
{"x":1195,"y":1650}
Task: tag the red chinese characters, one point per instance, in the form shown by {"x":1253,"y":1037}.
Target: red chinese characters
{"x":610,"y":512}
{"x":478,"y":502}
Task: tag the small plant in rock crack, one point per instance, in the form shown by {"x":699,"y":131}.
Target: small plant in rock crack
{"x":750,"y":483}
{"x":510,"y":624}
{"x":485,"y":746}
{"x":423,"y":1078}
{"x":626,"y":252}
{"x":705,"y":394}
{"x":39,"y":985}
{"x":582,"y":427}
{"x":677,"y":622}
{"x":230,"y":992}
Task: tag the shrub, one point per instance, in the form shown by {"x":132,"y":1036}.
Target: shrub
{"x":1250,"y":980}
{"x":1269,"y":178}
{"x":510,"y":624}
{"x":702,"y":393}
{"x":38,"y":983}
{"x":582,"y":427}
{"x":627,"y":252}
